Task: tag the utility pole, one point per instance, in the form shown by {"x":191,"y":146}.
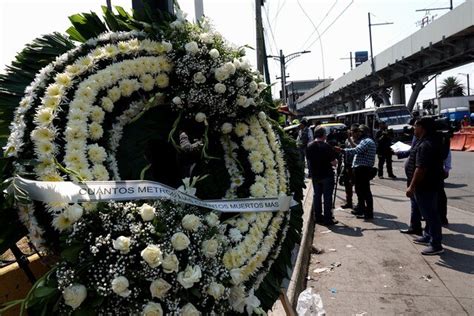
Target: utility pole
{"x":198,"y":9}
{"x":283,"y":61}
{"x":467,"y":79}
{"x":350,"y":57}
{"x":259,"y":33}
{"x":162,"y":5}
{"x":370,"y":38}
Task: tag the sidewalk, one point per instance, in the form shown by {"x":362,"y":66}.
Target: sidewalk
{"x":382,"y":272}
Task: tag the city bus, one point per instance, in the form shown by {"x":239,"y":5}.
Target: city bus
{"x":397,"y":117}
{"x":320,"y":119}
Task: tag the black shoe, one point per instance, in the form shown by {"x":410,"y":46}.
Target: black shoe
{"x":430,"y":251}
{"x":412,"y":231}
{"x":380,"y":177}
{"x":347,"y":205}
{"x":366,"y":217}
{"x":330,"y":222}
{"x":356,"y":212}
{"x":422,"y":241}
{"x":319,"y":221}
{"x":444,"y":222}
{"x":392,"y":176}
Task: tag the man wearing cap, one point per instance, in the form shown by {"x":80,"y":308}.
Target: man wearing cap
{"x":424,"y":171}
{"x":363,"y":162}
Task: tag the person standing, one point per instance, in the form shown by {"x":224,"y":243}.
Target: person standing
{"x":425,"y":172}
{"x":364,"y":159}
{"x":321,"y":159}
{"x":348,"y":174}
{"x":305,"y":136}
{"x":384,"y":152}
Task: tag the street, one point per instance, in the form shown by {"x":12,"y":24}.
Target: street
{"x":459,"y":186}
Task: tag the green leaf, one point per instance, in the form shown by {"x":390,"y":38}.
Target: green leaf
{"x":71,"y":253}
{"x":44,"y":291}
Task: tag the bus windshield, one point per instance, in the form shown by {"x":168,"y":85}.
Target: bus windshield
{"x":394,"y":116}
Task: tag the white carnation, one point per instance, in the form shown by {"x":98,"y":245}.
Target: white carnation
{"x":200,"y":117}
{"x":96,"y":153}
{"x":235,"y":234}
{"x":226,"y":128}
{"x":74,"y":295}
{"x":162,"y":80}
{"x":241,"y":129}
{"x":212,"y":219}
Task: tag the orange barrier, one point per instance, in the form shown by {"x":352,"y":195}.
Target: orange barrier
{"x":469,"y":143}
{"x":458,"y":141}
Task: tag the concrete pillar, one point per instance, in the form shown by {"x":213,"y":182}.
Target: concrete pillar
{"x":398,"y":93}
{"x":417,"y":87}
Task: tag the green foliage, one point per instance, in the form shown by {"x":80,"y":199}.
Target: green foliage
{"x":451,"y":87}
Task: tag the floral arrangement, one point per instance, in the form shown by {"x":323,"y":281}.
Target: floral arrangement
{"x":91,"y":114}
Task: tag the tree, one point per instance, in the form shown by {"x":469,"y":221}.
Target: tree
{"x":451,"y":87}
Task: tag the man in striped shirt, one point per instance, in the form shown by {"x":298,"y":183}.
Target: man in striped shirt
{"x":364,"y":159}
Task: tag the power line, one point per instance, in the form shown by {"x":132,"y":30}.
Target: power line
{"x":271,"y":31}
{"x":317,"y":27}
{"x":278,"y":12}
{"x":334,"y":21}
{"x":316,"y":30}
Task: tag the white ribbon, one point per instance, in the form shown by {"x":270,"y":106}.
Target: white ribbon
{"x":92,"y":191}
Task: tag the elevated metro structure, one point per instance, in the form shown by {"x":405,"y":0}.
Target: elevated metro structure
{"x":446,"y":43}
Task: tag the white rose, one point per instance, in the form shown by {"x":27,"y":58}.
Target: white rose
{"x":214,"y":53}
{"x":152,"y":309}
{"x":237,"y":276}
{"x":122,"y":244}
{"x":191,"y":222}
{"x":147,"y":212}
{"x":200,"y":117}
{"x":220,"y":88}
{"x":226,"y":128}
{"x":229,"y":67}
{"x":240,"y":82}
{"x":191,"y":47}
{"x":221,"y":74}
{"x":212,"y":219}
{"x":262,"y":116}
{"x":253,"y":86}
{"x":74,"y":212}
{"x":199,"y":77}
{"x":177,"y":101}
{"x":152,"y":255}
{"x":180,"y":241}
{"x":189,"y":310}
{"x":206,"y":38}
{"x":170,"y":263}
{"x":120,"y":286}
{"x":237,"y":298}
{"x":189,"y":276}
{"x":210,"y":247}
{"x":159,"y":288}
{"x":236,"y":63}
{"x":215,"y":290}
{"x":242,"y":100}
{"x":74,"y":295}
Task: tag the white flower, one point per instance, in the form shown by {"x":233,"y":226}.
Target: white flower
{"x":221,"y":74}
{"x":74,"y":212}
{"x":191,"y":47}
{"x":253,"y":86}
{"x":177,"y":101}
{"x":44,"y":116}
{"x":63,"y":79}
{"x":100,"y":173}
{"x":170,"y":263}
{"x":162,"y":80}
{"x":96,"y":131}
{"x":258,"y":190}
{"x":96,"y":153}
{"x":249,"y":102}
{"x":147,"y":212}
{"x":206,"y":38}
{"x":226,"y":128}
{"x":241,"y":101}
{"x":262,"y":116}
{"x":147,"y":82}
{"x":167,"y":46}
{"x":230,"y":68}
{"x":220,"y":88}
{"x":107,"y":104}
{"x":159,"y":288}
{"x":114,"y":94}
{"x":180,"y":241}
{"x":97,"y":114}
{"x":122,"y":244}
{"x":262,"y":85}
{"x":54,"y":90}
{"x":242,"y":225}
{"x":235,"y":234}
{"x":189,"y":310}
{"x":237,"y":276}
{"x":249,"y":143}
{"x":191,"y":222}
{"x":241,"y":129}
{"x":176,"y":24}
{"x":212,"y":219}
{"x":152,"y":309}
{"x":199,"y":77}
{"x":152,"y":255}
{"x":120,"y":286}
{"x":74,"y":295}
{"x":215,"y":290}
{"x":189,"y":276}
{"x":200,"y":117}
{"x":251,"y":302}
{"x":210,"y":247}
{"x":240,"y":82}
{"x":237,"y":298}
{"x":214,"y":53}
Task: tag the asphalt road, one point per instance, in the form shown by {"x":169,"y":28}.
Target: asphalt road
{"x":459,"y":186}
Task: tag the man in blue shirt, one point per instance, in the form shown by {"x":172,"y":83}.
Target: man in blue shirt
{"x":363,"y":162}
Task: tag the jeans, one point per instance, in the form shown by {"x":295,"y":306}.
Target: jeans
{"x":362,"y":189}
{"x":415,"y":216}
{"x":388,"y":159}
{"x":428,"y":204}
{"x":443,"y":205}
{"x":323,"y":187}
{"x":348,"y":185}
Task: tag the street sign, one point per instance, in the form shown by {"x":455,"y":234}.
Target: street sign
{"x":361,"y":57}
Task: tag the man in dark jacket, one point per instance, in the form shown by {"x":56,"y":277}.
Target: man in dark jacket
{"x":384,"y":152}
{"x":424,"y":171}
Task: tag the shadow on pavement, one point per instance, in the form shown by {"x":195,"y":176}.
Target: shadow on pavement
{"x":385,"y":197}
{"x":459,"y":241}
{"x":456,"y":261}
{"x":347,"y":230}
{"x":454,"y":185}
{"x":461,"y":228}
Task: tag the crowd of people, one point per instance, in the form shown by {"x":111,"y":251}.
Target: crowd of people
{"x":353,"y":162}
